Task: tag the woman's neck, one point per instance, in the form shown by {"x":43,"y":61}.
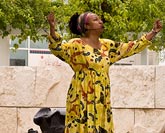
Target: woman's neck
{"x":93,"y":41}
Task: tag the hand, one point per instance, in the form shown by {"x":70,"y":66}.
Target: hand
{"x":157,"y":26}
{"x":51,"y":19}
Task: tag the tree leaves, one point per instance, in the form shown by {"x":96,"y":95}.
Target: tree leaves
{"x":26,"y":15}
{"x":119,"y":16}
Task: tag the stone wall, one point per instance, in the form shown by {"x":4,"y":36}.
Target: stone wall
{"x":137,"y":94}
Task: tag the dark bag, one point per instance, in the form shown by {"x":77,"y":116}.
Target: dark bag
{"x":50,"y":121}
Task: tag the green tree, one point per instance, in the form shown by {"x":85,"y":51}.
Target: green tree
{"x":142,"y":15}
{"x":25,"y":16}
{"x":125,"y":16}
{"x":119,"y":16}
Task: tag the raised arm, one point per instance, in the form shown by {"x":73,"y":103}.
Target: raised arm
{"x":156,"y":28}
{"x":52,"y":23}
{"x":122,"y":50}
{"x":56,"y":47}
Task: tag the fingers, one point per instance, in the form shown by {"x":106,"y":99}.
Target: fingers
{"x":158,"y":22}
{"x":157,"y":25}
{"x":50,"y":16}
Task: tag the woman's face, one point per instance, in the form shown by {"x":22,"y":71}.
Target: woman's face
{"x":94,"y":23}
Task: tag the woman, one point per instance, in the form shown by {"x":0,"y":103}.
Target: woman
{"x":88,"y":107}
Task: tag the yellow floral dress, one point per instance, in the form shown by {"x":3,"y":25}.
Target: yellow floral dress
{"x":88,"y":105}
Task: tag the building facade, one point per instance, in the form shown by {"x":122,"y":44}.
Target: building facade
{"x":38,"y":54}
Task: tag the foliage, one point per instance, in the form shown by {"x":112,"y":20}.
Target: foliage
{"x":142,"y":15}
{"x":26,"y":16}
{"x":119,"y":16}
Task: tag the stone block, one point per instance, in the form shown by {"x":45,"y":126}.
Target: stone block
{"x":17,"y":86}
{"x":25,"y":120}
{"x":132,"y":86}
{"x":160,"y":87}
{"x":123,"y":120}
{"x":52,"y":84}
{"x":34,"y":86}
{"x":8,"y":120}
{"x":149,"y":121}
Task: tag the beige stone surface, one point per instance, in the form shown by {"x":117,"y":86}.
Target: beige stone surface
{"x":132,"y":86}
{"x":8,"y":120}
{"x":149,"y":121}
{"x":160,"y":87}
{"x":138,"y":128}
{"x":137,"y":95}
{"x":123,"y":120}
{"x":25,"y":120}
{"x":17,"y":85}
{"x":52,"y":84}
{"x":34,"y":86}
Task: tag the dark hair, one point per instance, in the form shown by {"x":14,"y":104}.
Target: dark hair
{"x":73,"y":24}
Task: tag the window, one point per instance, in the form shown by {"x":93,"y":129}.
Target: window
{"x":28,"y":53}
